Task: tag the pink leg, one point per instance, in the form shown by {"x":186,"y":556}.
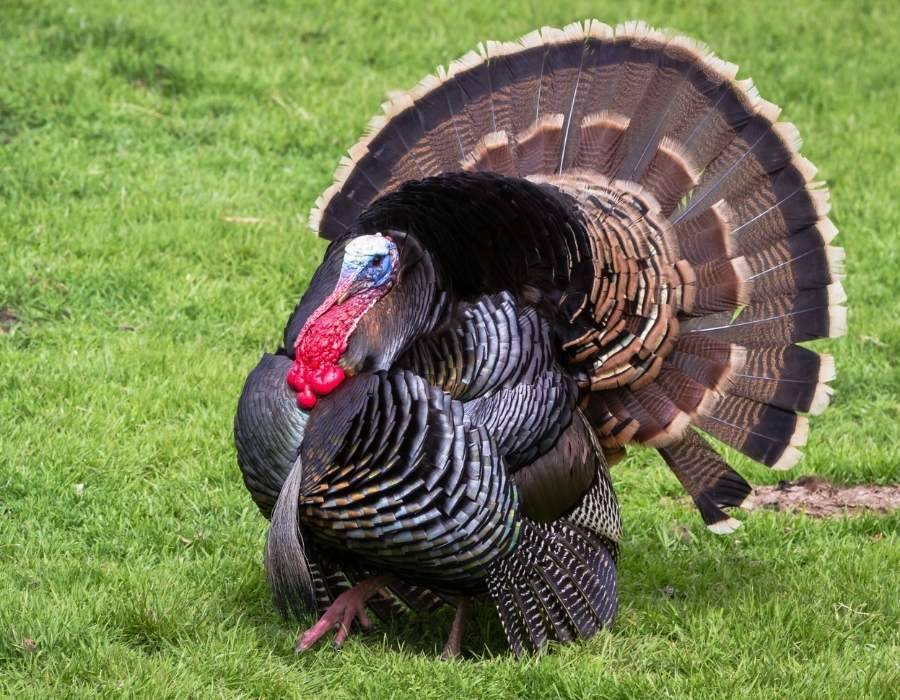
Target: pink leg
{"x":347,"y":607}
{"x":453,"y":647}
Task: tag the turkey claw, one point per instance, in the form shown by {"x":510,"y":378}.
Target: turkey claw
{"x":337,"y":616}
{"x":347,"y":608}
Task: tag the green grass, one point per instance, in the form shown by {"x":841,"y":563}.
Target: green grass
{"x":130,"y":554}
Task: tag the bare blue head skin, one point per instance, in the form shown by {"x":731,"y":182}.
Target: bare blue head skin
{"x":370,"y":262}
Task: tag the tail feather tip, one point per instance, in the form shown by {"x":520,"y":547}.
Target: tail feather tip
{"x":724,"y":527}
{"x":788,"y":459}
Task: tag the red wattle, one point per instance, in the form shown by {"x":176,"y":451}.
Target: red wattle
{"x":326,"y":379}
{"x":321,"y":343}
{"x":306,"y":399}
{"x":295,"y":377}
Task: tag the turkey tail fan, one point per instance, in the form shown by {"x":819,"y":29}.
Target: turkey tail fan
{"x":699,"y":253}
{"x":290,"y":578}
{"x":558,"y":584}
{"x":549,"y":78}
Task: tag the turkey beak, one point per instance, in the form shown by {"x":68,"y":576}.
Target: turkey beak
{"x":347,"y":288}
{"x":345,"y":294}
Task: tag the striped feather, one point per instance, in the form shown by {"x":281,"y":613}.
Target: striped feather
{"x":558,"y":584}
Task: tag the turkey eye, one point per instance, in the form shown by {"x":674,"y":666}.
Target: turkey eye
{"x":377,"y":260}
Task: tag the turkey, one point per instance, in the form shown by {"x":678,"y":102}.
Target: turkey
{"x":555,"y":248}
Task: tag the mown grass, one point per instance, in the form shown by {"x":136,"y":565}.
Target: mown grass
{"x":131,"y":310}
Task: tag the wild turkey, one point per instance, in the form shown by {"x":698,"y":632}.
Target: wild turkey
{"x":555,"y":248}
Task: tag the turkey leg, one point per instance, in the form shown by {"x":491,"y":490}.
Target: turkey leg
{"x":454,"y":642}
{"x":347,"y":607}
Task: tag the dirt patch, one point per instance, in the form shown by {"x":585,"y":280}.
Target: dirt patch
{"x":816,"y":497}
{"x":8,"y":319}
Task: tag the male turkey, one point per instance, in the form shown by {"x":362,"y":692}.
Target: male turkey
{"x":555,"y":248}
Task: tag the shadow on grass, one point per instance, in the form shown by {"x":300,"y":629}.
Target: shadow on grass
{"x":655,"y":582}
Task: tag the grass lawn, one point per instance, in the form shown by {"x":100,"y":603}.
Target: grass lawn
{"x":157,"y":163}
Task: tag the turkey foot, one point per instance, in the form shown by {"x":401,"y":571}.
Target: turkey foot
{"x":347,"y":607}
{"x":454,"y":642}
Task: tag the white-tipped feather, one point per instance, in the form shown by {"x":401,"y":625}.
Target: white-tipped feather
{"x":623,"y":29}
{"x":674,"y":149}
{"x":672,"y":433}
{"x":358,"y":151}
{"x":708,"y":403}
{"x":598,"y":30}
{"x":398,"y":104}
{"x":806,"y":168}
{"x":315,"y":218}
{"x":636,"y":29}
{"x":837,"y":321}
{"x":827,"y":229}
{"x":548,"y":121}
{"x":727,"y":69}
{"x":375,"y":125}
{"x":344,"y":168}
{"x":725,"y":214}
{"x":789,"y":134}
{"x":709,"y":63}
{"x":747,"y":90}
{"x":820,"y":196}
{"x":531,"y":40}
{"x":836,"y":294}
{"x":801,"y":432}
{"x":620,"y":121}
{"x":424,"y":86}
{"x":574,"y":31}
{"x":656,"y":36}
{"x":724,"y":527}
{"x":490,"y":143}
{"x":693,"y":46}
{"x":835,"y":261}
{"x":464,"y":63}
{"x":821,"y":399}
{"x":496,"y":138}
{"x":827,"y":371}
{"x":788,"y":459}
{"x":552,"y":35}
{"x":502,"y":48}
{"x":768,"y":110}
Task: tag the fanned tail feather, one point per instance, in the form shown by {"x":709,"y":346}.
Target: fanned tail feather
{"x":702,"y":215}
{"x":709,"y":480}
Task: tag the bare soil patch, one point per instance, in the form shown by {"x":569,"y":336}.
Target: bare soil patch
{"x":8,"y":319}
{"x":816,"y":497}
